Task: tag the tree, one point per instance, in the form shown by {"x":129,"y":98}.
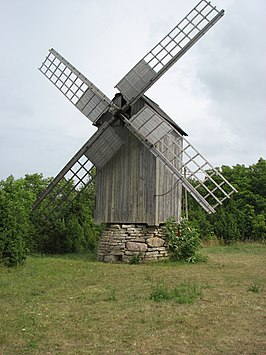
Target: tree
{"x":71,"y":229}
{"x":243,"y":216}
{"x":15,"y":227}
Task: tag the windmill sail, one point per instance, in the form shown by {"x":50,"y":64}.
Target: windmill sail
{"x":169,"y":50}
{"x":77,"y":175}
{"x":79,"y":172}
{"x":198,"y":177}
{"x":75,"y":86}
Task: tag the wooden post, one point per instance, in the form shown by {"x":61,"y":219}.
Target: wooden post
{"x":186,"y":199}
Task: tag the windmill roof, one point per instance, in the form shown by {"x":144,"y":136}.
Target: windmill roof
{"x":157,"y":108}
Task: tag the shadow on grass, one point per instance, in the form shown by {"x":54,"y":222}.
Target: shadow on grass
{"x":84,"y":255}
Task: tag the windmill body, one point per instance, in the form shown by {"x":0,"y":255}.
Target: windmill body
{"x":134,"y":186}
{"x":142,"y":157}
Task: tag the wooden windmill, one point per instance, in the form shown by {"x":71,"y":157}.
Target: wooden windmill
{"x":141,"y":155}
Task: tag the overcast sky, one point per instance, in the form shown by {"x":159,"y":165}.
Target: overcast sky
{"x":216,"y":92}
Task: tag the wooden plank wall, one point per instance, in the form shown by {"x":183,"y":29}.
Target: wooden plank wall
{"x":134,"y":187}
{"x":125,"y":187}
{"x":168,"y":189}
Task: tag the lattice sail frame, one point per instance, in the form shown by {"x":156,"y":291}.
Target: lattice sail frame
{"x":75,"y":86}
{"x":76,"y":176}
{"x":176,"y":43}
{"x":197,"y":175}
{"x":79,"y":172}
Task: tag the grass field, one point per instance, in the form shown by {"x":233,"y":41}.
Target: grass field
{"x":73,"y":305}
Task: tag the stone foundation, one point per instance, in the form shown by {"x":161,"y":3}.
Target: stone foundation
{"x":121,"y":242}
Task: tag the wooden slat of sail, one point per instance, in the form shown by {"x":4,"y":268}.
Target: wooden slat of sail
{"x":103,"y":149}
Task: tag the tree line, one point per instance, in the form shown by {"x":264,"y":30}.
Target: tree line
{"x":243,"y":216}
{"x":22,"y":231}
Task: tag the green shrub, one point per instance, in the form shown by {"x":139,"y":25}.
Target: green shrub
{"x":183,"y":241}
{"x":15,"y":228}
{"x":13,"y":251}
{"x":135,"y":259}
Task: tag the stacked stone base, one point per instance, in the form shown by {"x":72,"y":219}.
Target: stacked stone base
{"x":123,"y":242}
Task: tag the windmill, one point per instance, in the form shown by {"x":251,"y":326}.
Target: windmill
{"x":142,"y":157}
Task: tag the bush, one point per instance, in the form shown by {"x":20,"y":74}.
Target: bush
{"x":183,"y":241}
{"x":13,"y":251}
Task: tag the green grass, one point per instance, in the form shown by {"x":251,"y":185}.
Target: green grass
{"x":254,"y":288}
{"x":241,"y":248}
{"x":182,"y":294}
{"x":75,"y":305}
